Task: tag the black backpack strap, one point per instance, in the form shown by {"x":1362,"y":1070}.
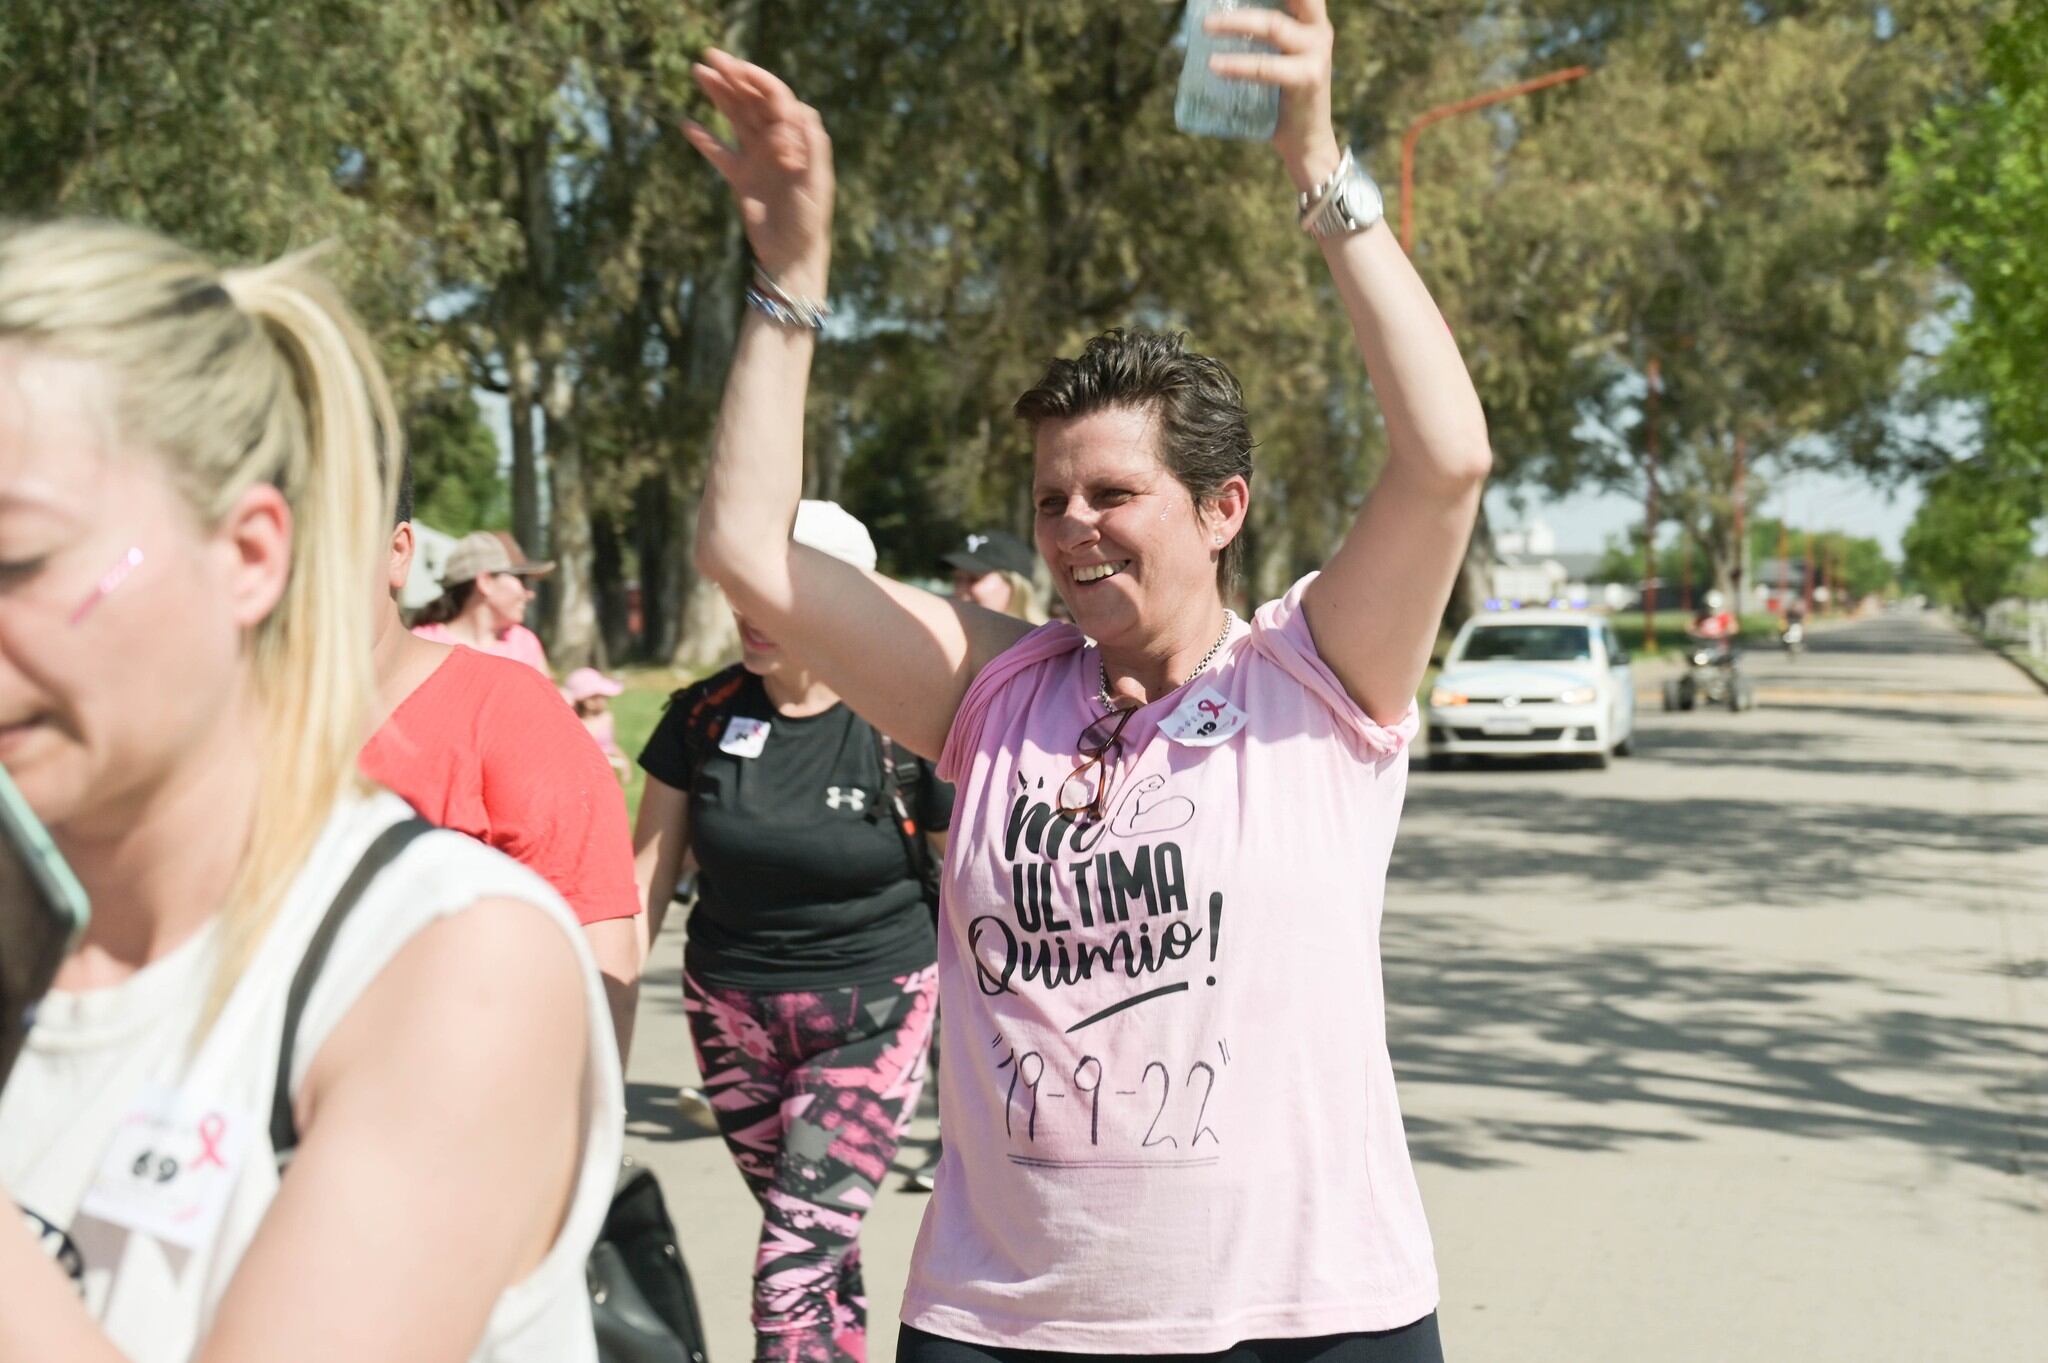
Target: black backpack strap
{"x":284,"y":1131}
{"x":701,"y":726}
{"x":903,"y":772}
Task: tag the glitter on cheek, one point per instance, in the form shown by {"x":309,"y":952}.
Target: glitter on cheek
{"x":111,"y":579}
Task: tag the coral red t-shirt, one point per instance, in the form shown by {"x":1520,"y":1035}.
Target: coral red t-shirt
{"x":487,"y":747}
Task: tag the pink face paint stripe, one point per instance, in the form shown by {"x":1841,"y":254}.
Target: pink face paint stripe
{"x":113,"y":578}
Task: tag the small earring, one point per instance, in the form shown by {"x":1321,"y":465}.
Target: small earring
{"x":1218,"y":541}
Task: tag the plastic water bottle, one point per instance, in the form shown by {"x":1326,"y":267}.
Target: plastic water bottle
{"x":1211,"y":106}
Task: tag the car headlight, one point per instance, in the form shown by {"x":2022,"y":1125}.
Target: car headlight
{"x":1579,"y":695}
{"x":1443,"y":695}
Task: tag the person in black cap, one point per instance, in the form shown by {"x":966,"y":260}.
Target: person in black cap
{"x":994,"y":570}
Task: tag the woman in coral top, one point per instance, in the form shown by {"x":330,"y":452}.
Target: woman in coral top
{"x":1170,"y":1114}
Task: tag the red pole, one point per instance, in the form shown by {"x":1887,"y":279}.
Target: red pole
{"x":1784,"y":577}
{"x":1463,"y":106}
{"x":1650,"y":511}
{"x":1806,"y":569}
{"x":1741,"y":535}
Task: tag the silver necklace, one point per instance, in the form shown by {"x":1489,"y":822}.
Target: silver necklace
{"x":1102,"y":688}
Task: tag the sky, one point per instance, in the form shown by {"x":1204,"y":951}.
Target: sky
{"x":1583,"y":522}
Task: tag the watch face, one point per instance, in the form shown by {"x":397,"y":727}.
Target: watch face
{"x":1360,"y":200}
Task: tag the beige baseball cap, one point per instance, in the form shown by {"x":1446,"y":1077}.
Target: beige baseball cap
{"x":489,"y":551}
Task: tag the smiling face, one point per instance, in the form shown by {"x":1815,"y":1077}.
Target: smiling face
{"x":759,"y":654}
{"x":1129,"y":549}
{"x":109,"y":588}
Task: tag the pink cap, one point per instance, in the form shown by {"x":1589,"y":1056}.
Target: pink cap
{"x":586,"y":682}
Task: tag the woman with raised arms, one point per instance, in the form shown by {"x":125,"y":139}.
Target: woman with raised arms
{"x":1170,"y":1114}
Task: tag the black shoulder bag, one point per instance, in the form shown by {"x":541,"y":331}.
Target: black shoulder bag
{"x":640,"y":1296}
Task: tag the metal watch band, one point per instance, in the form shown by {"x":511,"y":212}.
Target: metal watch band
{"x":1351,"y":203}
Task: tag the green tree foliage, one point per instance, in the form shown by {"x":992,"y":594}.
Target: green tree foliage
{"x":458,"y":485}
{"x":1712,"y":199}
{"x":1973,"y":188}
{"x":1687,"y":574}
{"x":1972,"y":536}
{"x":516,"y":215}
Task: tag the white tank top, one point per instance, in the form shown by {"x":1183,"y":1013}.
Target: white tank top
{"x":71,"y":1104}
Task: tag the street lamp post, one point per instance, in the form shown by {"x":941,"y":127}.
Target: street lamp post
{"x":1463,"y":106}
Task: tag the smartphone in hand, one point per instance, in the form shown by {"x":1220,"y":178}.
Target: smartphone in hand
{"x":42,"y":912}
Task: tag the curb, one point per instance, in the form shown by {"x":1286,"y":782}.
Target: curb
{"x":2012,"y":655}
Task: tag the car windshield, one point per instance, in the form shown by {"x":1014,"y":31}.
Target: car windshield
{"x":1529,"y":644}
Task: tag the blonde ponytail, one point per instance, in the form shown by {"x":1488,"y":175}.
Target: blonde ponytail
{"x":237,"y":379}
{"x":1026,"y":601}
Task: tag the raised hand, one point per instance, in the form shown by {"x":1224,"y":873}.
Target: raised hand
{"x":1300,"y":65}
{"x":779,"y":166}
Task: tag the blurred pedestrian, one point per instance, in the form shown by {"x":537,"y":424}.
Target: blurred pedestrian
{"x":589,"y":692}
{"x":486,"y":586}
{"x":191,"y":509}
{"x":481,"y":745}
{"x":994,"y":571}
{"x":808,"y":975}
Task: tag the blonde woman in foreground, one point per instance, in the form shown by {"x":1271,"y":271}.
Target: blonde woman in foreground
{"x":191,"y":512}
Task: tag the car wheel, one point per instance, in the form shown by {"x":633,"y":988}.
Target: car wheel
{"x":1627,"y":746}
{"x":1672,"y":699}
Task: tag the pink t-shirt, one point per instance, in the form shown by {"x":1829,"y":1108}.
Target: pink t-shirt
{"x":518,"y":643}
{"x":1169,"y":1112}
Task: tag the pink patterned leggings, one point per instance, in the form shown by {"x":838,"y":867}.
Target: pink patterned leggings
{"x":811,"y":1090}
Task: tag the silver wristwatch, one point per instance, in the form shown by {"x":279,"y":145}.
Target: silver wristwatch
{"x":1349,"y":201}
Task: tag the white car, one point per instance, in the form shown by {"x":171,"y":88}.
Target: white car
{"x":1533,"y":682}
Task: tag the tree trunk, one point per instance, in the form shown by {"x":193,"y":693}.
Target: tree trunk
{"x":573,"y":611}
{"x":655,"y":508}
{"x":709,"y":636}
{"x":608,"y":589}
{"x":522,"y":383}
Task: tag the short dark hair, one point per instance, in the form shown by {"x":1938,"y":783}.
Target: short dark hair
{"x":404,"y":512}
{"x":1205,"y":436}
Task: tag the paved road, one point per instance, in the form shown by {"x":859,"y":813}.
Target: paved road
{"x":1738,"y":1048}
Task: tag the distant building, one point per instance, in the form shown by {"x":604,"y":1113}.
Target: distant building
{"x":1528,"y":570}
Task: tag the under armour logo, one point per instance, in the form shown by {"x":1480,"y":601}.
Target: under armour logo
{"x":837,"y":797}
{"x":974,"y":543}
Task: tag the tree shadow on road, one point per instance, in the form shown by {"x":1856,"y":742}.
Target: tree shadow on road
{"x":1793,"y":750}
{"x":1713,"y":853}
{"x":1680,"y":1040}
{"x":2008,"y":718}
